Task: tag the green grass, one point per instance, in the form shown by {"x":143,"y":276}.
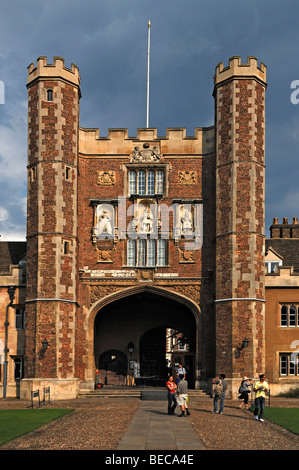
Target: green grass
{"x":15,"y":423}
{"x":285,"y":417}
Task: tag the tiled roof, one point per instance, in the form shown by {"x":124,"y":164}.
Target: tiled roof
{"x":287,"y":248}
{"x":11,"y":253}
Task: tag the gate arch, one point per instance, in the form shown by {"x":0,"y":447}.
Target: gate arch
{"x":123,"y":293}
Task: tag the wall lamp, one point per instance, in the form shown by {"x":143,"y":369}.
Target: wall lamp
{"x":45,"y":345}
{"x":244,"y":345}
{"x":131,"y":348}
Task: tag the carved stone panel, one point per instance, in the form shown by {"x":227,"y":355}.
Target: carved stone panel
{"x":186,"y":256}
{"x":99,"y":292}
{"x":145,"y":154}
{"x":191,"y":291}
{"x":106,"y":178}
{"x":187,"y":177}
{"x":104,"y":255}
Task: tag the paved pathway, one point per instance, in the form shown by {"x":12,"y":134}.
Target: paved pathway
{"x":153,"y":429}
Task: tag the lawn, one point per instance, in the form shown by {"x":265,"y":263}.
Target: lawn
{"x":14,"y":423}
{"x":286,"y":417}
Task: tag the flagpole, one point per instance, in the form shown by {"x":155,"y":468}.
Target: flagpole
{"x":148,"y":67}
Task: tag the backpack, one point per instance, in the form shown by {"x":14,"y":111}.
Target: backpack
{"x":241,"y":388}
{"x":218,"y":389}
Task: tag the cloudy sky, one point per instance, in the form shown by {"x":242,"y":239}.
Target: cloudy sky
{"x":107,"y":39}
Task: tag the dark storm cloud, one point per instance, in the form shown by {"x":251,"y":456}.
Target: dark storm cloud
{"x":107,"y":39}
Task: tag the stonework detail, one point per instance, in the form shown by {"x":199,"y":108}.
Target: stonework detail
{"x":105,"y":255}
{"x":106,"y":178}
{"x":186,"y":256}
{"x":145,"y":154}
{"x":187,"y":177}
{"x":98,"y":292}
{"x":191,"y":291}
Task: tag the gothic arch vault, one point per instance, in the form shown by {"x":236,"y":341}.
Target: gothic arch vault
{"x":166,"y":295}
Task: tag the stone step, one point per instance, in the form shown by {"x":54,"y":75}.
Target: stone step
{"x":143,"y":394}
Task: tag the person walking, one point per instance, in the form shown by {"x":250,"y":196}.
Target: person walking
{"x":182,"y":392}
{"x":171,"y":395}
{"x":244,"y":391}
{"x":261,"y":388}
{"x":219,"y":393}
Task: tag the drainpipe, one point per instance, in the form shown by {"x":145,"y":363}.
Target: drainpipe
{"x":11,"y":293}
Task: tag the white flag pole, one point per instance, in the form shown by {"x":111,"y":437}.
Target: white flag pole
{"x":148,"y":68}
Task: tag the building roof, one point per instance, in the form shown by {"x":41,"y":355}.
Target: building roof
{"x":287,"y":248}
{"x":11,"y":253}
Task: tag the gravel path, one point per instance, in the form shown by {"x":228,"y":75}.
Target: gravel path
{"x":99,"y":424}
{"x":236,"y":429}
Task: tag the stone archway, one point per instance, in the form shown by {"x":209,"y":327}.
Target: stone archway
{"x":116,"y":302}
{"x":112,"y":367}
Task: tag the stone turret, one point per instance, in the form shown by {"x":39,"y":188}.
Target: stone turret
{"x":53,"y":126}
{"x":239,"y":92}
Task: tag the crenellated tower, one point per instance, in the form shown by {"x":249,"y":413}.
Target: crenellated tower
{"x":53,"y":124}
{"x":239,"y":92}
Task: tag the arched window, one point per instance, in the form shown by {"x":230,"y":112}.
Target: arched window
{"x":19,"y":318}
{"x":284,"y":316}
{"x":132,"y":182}
{"x":18,"y":366}
{"x":141,"y":250}
{"x":159,"y":182}
{"x":49,"y":95}
{"x":150,"y":182}
{"x":131,"y":255}
{"x":292,"y":316}
{"x":141,"y":182}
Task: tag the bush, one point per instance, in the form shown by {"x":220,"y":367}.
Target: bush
{"x":291,"y":393}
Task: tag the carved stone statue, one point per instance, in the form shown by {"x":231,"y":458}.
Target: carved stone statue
{"x":146,"y":154}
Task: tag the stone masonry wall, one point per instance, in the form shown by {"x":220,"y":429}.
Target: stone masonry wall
{"x":240,"y":225}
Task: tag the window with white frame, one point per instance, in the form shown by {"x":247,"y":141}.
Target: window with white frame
{"x":146,"y":252}
{"x":288,"y":364}
{"x":272,"y":266}
{"x":146,"y":182}
{"x":289,"y":315}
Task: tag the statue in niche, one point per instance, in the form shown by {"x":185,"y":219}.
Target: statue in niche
{"x":104,"y":225}
{"x":146,"y":221}
{"x":134,"y":225}
{"x":187,"y":222}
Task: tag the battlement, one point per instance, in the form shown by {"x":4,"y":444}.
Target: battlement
{"x":175,"y":141}
{"x":55,"y":70}
{"x":238,"y":70}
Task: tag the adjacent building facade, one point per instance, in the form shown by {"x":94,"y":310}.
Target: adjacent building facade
{"x":132,"y":237}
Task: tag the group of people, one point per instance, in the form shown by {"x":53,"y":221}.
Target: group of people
{"x":260,"y":388}
{"x":178,"y":393}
